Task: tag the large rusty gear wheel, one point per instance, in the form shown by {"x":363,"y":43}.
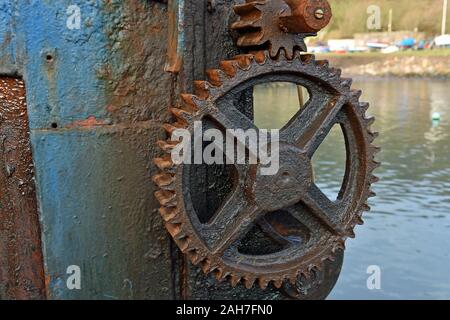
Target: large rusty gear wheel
{"x":279,"y":24}
{"x":322,"y":225}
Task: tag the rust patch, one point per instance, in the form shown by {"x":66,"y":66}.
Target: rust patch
{"x":136,"y":85}
{"x":21,"y":262}
{"x":91,"y":121}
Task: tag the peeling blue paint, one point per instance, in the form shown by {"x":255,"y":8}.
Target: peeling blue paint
{"x":94,"y":191}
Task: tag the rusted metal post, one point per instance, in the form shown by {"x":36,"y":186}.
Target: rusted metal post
{"x":21,"y":264}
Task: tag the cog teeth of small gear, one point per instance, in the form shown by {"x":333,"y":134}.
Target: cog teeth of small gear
{"x":323,"y":63}
{"x":307,"y":58}
{"x":257,"y":26}
{"x":347,"y":82}
{"x":249,"y":9}
{"x":355,"y":94}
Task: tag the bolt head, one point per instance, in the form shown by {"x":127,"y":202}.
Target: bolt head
{"x":319,"y":13}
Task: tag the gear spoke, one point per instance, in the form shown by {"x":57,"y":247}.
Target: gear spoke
{"x":311,"y":125}
{"x":323,"y":208}
{"x":231,"y":223}
{"x":231,"y":118}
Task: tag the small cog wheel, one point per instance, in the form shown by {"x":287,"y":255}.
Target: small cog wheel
{"x":280,"y":24}
{"x":305,"y":227}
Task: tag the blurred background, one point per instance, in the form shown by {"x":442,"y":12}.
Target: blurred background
{"x":398,"y":53}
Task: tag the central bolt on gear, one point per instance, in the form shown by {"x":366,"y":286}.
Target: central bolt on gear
{"x":308,"y":227}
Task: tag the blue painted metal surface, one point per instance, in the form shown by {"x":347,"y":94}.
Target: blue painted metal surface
{"x":95,"y":96}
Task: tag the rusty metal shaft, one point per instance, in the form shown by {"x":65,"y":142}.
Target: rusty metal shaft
{"x":306,"y":16}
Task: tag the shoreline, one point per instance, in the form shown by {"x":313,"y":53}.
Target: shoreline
{"x":391,"y":66}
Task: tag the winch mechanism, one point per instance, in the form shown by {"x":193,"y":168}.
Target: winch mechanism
{"x":279,"y":229}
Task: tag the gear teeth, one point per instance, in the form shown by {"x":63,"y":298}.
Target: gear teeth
{"x":260,"y":56}
{"x":205,"y":265}
{"x":229,"y":67}
{"x":201,"y":89}
{"x":356,"y":94}
{"x":366,"y":207}
{"x":219,"y":274}
{"x":323,"y":63}
{"x":375,"y":164}
{"x":249,"y":8}
{"x":359,"y":221}
{"x":195,"y":257}
{"x":373,"y":136}
{"x":372,"y":194}
{"x":183,"y":243}
{"x":245,"y":24}
{"x":336,"y":72}
{"x":169,"y":214}
{"x":165,"y":197}
{"x":347,"y":83}
{"x":263,"y":283}
{"x":174,"y":230}
{"x":373,"y":179}
{"x":164,"y":163}
{"x":170,"y":128}
{"x":181,"y":115}
{"x":189,"y":102}
{"x":166,"y":146}
{"x":307,"y":58}
{"x":164,"y":181}
{"x":249,"y":281}
{"x":370,"y":121}
{"x":235,"y":280}
{"x":278,"y":283}
{"x":351,"y":234}
{"x":376,"y":149}
{"x":364,"y":106}
{"x":251,"y":39}
{"x":244,"y":60}
{"x":215,"y":76}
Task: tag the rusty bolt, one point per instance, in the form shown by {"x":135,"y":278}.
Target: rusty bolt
{"x":306,"y":16}
{"x":319,"y":14}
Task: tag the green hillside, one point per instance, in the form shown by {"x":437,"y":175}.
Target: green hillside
{"x":350,"y":16}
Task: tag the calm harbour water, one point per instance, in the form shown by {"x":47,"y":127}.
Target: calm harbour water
{"x":407,"y":233}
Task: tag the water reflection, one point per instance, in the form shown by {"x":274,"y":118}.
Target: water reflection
{"x":408,"y":230}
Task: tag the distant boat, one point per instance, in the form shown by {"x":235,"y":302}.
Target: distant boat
{"x":377,"y":45}
{"x":442,"y":41}
{"x":390,"y":49}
